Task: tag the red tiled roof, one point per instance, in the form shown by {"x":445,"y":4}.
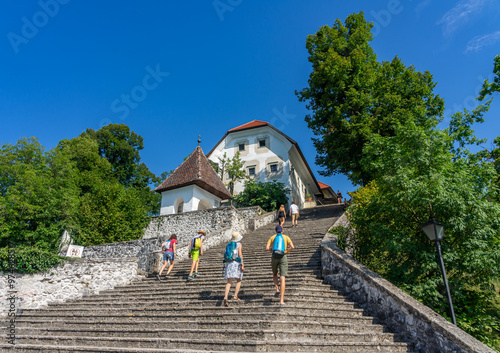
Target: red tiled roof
{"x":253,"y":123}
{"x":323,"y":185}
{"x":197,"y":170}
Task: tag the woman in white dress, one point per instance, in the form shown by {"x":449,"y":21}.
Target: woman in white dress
{"x":234,"y":269}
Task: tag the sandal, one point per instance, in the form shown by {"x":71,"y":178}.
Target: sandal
{"x":226,"y":303}
{"x":236,"y":298}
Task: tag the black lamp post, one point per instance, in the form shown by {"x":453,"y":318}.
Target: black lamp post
{"x":435,"y":232}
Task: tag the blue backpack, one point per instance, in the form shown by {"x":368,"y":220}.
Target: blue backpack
{"x":279,"y":246}
{"x":231,"y":253}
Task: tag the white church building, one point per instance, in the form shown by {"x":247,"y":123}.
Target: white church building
{"x":268,"y":154}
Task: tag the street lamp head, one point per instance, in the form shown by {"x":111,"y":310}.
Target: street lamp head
{"x":433,"y":229}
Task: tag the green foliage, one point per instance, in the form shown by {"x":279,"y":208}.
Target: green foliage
{"x":93,"y":184}
{"x":268,"y":195}
{"x":27,"y":260}
{"x":355,"y":98}
{"x":233,"y":168}
{"x":420,"y":176}
{"x":342,"y":234}
{"x":490,"y":87}
{"x":38,"y":195}
{"x":110,"y":213}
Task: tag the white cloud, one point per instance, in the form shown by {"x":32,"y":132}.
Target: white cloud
{"x":460,"y":14}
{"x":476,"y":43}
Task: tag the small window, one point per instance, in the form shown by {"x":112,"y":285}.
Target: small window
{"x":262,"y":143}
{"x":273,"y":168}
{"x":251,"y":171}
{"x":241,"y":147}
{"x":228,"y":177}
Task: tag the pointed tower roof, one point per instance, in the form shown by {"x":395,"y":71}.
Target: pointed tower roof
{"x":196,"y":170}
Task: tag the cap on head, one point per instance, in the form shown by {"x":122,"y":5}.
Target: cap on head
{"x":279,"y":229}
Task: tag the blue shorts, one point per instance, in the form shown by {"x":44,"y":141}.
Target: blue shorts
{"x":168,"y":255}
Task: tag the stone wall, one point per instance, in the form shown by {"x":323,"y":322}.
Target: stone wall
{"x":71,"y":280}
{"x":186,"y":225}
{"x":417,"y":323}
{"x":139,"y":249}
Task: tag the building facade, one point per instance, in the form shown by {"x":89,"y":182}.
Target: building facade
{"x":268,"y":154}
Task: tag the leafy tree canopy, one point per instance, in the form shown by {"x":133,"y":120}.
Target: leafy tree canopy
{"x":233,"y":168}
{"x":354,"y":98}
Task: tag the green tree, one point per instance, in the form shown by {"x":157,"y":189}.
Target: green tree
{"x":121,"y":147}
{"x":233,"y":168}
{"x":268,"y":195}
{"x":38,"y":195}
{"x":355,"y":98}
{"x":109,"y":211}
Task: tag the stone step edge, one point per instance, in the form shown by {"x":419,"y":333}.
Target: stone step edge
{"x":236,"y":322}
{"x":199,"y":308}
{"x":56,"y":348}
{"x":210,"y":330}
{"x":237,"y":342}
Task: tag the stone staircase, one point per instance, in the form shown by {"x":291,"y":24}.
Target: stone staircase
{"x":175,"y":315}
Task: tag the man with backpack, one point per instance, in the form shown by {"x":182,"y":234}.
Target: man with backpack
{"x":195,"y":251}
{"x":279,"y":245}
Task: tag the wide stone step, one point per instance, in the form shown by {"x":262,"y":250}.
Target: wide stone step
{"x":214,"y":301}
{"x":200,"y":310}
{"x":256,"y":347}
{"x":303,"y":336}
{"x":218,"y":344}
{"x":245,"y":296}
{"x":315,"y":326}
{"x":210,"y":278}
{"x":222,"y":316}
{"x":208,"y":288}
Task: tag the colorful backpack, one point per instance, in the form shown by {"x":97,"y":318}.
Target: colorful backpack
{"x":278,"y":246}
{"x":231,"y":252}
{"x":166,"y":245}
{"x":196,"y":243}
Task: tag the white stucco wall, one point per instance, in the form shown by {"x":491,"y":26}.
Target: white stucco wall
{"x":191,"y":195}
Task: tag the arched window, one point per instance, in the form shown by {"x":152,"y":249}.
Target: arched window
{"x":204,"y":204}
{"x":179,"y":205}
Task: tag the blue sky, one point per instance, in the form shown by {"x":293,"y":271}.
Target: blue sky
{"x":173,"y":70}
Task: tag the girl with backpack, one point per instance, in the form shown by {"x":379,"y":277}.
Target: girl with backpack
{"x":168,"y":248}
{"x":233,"y":258}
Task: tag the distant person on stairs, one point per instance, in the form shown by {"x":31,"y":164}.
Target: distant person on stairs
{"x":168,"y":247}
{"x":282,"y":215}
{"x":294,"y":213}
{"x":233,"y":259}
{"x":195,"y":251}
{"x":339,"y":197}
{"x":279,"y":245}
